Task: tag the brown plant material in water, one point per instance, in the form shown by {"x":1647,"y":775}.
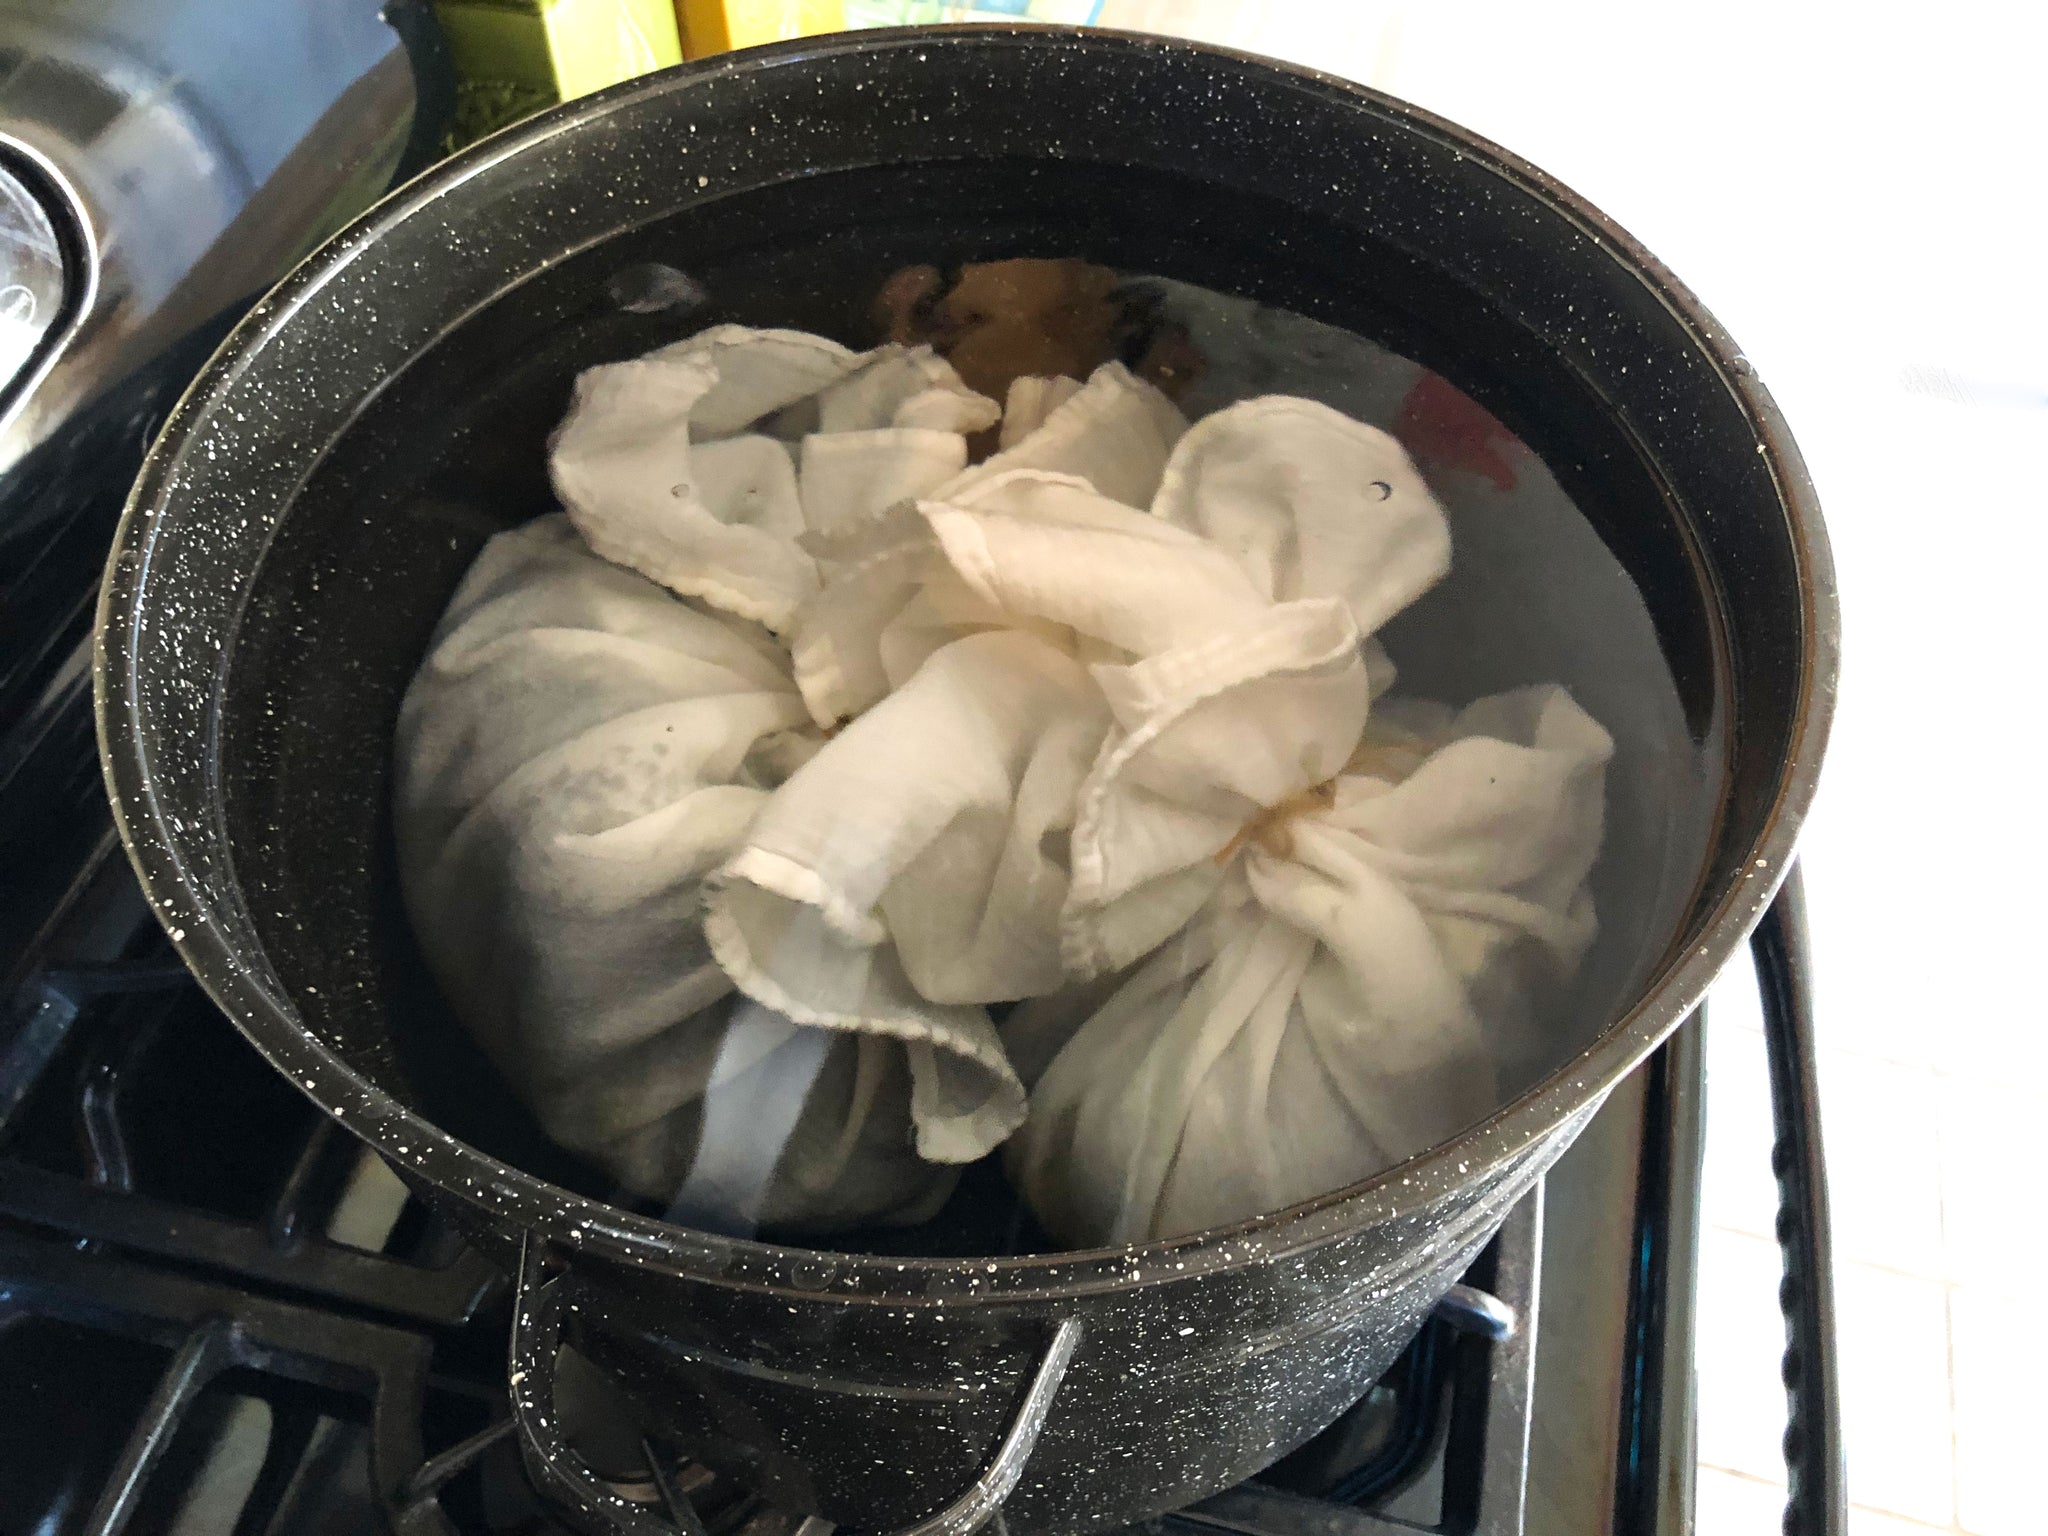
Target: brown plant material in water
{"x":1392,"y":757}
{"x":1273,"y":828}
{"x":999,"y":321}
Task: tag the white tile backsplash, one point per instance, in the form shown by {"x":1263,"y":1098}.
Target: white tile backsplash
{"x":1729,"y":1504}
{"x":1739,"y":1190}
{"x":1893,"y":1344}
{"x":1999,"y":1418}
{"x":1741,"y":1400}
{"x":1994,"y":1211}
{"x":1881,"y":1125}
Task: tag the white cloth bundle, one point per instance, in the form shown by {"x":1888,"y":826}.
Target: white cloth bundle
{"x":1230,"y":802}
{"x":659,"y":473}
{"x":1099,"y":723}
{"x":889,"y":601}
{"x":919,"y":873}
{"x":1535,"y":595}
{"x":580,"y":752}
{"x":1099,"y":699}
{"x":1338,"y":1002}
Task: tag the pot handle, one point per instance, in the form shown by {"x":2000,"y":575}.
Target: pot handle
{"x":595,"y":1509}
{"x":1817,"y":1485}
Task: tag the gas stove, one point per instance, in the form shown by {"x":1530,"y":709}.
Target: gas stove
{"x":219,"y":1313}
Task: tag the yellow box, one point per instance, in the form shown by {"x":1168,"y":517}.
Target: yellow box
{"x":714,"y":26}
{"x":567,"y":48}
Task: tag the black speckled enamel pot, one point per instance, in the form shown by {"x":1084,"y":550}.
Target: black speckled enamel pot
{"x":302,"y":521}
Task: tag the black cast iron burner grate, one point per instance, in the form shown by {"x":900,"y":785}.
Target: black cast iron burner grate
{"x":132,"y":1115}
{"x":142,"y":1399}
{"x":218,"y":1312}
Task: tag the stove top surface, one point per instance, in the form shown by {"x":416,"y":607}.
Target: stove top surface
{"x":218,"y":1312}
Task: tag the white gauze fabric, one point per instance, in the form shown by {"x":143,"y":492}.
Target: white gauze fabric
{"x":1338,"y":1002}
{"x":918,"y":875}
{"x":581,"y":750}
{"x":659,"y":473}
{"x":888,"y":599}
{"x":1230,"y":701}
{"x":1097,"y":699}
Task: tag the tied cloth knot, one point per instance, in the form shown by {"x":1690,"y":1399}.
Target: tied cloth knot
{"x":1391,"y":759}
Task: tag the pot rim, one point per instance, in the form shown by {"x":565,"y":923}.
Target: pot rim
{"x":581,"y":1224}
